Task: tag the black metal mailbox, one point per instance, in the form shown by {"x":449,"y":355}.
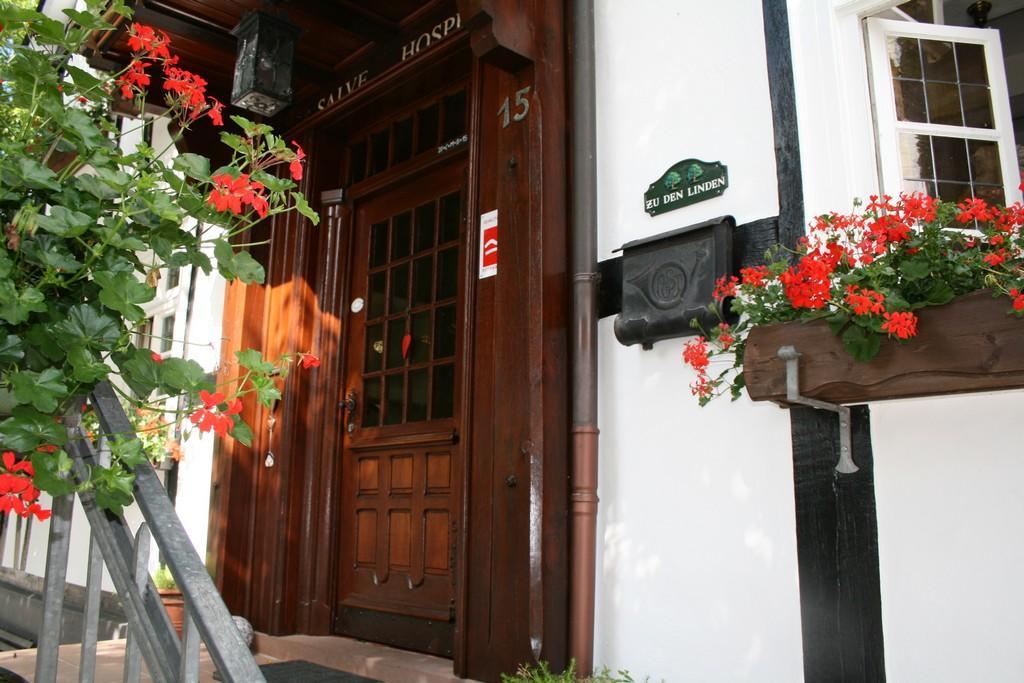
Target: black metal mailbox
{"x":668,"y":280}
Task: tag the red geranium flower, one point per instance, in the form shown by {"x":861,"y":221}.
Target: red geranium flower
{"x":309,"y":361}
{"x":902,"y":325}
{"x":216,"y":112}
{"x":229,"y":194}
{"x":295,"y":167}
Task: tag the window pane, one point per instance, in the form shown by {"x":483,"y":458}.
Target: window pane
{"x":423,"y":281}
{"x":954,"y":192}
{"x":402,"y":136}
{"x":444,"y":392}
{"x":371,"y":402}
{"x":396,"y":331}
{"x":418,"y":385}
{"x":378,"y":244}
{"x":375,"y":305}
{"x":977,"y":106}
{"x":985,"y":162}
{"x":444,"y":332}
{"x":904,"y":57}
{"x":939,"y":62}
{"x":173,"y":277}
{"x":991,"y":194}
{"x":357,"y":161}
{"x":399,"y":292}
{"x":454,"y":116}
{"x":910,"y":101}
{"x":378,"y":152}
{"x":921,"y":10}
{"x":427,"y":121}
{"x":374,"y":348}
{"x":420,"y":352}
{"x":167,"y":334}
{"x":424,"y":227}
{"x":447,"y":273}
{"x":395,"y":395}
{"x":950,"y":159}
{"x":401,"y":233}
{"x":450,"y":218}
{"x":944,"y":104}
{"x":970,"y":60}
{"x":916,"y":156}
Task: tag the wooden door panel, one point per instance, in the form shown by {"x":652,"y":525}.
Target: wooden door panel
{"x":400,"y":454}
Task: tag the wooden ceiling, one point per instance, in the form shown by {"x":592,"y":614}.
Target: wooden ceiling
{"x":334,"y":32}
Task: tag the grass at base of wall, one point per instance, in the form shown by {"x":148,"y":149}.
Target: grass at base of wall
{"x":542,"y":674}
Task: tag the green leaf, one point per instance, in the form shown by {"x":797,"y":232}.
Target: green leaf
{"x":79,"y":123}
{"x":64,"y":222}
{"x":139,"y":371}
{"x":303,"y":207}
{"x":16,"y":306}
{"x":273,"y":182}
{"x":112,"y":487}
{"x":96,"y":187}
{"x":837,"y":321}
{"x":251,"y":359}
{"x":193,"y":165}
{"x":11,"y":14}
{"x":51,"y":251}
{"x":940,"y":293}
{"x":27,"y":429}
{"x":87,"y":327}
{"x":266,"y":390}
{"x":128,"y":450}
{"x":84,"y":80}
{"x":237,"y":265}
{"x":35,"y":175}
{"x":183,"y":376}
{"x":122,"y":292}
{"x":43,"y":390}
{"x":241,"y":432}
{"x":88,"y":20}
{"x":915,"y":268}
{"x":86,"y":367}
{"x":53,"y":473}
{"x":860,"y":343}
{"x":235,"y":142}
{"x":10,"y":349}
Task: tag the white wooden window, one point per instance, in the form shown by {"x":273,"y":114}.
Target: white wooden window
{"x":942,"y":111}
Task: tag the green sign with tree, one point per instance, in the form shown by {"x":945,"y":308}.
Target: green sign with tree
{"x":686,"y":182}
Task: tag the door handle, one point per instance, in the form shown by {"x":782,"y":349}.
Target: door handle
{"x":349,"y":404}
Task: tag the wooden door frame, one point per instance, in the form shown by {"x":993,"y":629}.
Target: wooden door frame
{"x":508,"y":611}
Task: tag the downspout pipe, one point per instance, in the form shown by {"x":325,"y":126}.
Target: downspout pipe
{"x":583,"y":501}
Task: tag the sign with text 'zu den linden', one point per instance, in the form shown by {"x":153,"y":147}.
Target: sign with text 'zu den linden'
{"x":686,"y":182}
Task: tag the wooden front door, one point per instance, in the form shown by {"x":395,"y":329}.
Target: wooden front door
{"x":401,"y":459}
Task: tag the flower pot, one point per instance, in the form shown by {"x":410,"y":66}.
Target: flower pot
{"x":970,"y":344}
{"x":174,"y":603}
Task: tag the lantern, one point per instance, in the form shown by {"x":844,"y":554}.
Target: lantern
{"x":263,"y":67}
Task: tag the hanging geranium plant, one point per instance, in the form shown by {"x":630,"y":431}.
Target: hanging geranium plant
{"x":867,"y":274}
{"x":76,"y":212}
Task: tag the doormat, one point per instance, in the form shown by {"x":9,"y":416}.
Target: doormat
{"x":306,"y":672}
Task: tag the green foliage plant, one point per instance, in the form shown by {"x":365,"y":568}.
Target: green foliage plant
{"x":164,"y":580}
{"x":541,"y":673}
{"x":76,"y":212}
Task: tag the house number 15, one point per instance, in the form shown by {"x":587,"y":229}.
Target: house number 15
{"x":522,"y":106}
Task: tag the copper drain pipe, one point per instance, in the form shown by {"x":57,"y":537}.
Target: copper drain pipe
{"x":583,"y":502}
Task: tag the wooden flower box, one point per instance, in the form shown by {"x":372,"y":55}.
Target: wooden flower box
{"x":970,"y":344}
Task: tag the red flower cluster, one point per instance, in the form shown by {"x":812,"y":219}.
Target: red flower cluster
{"x":725,"y":287}
{"x":212,"y":416}
{"x":901,"y":325}
{"x":186,"y":89}
{"x":17,"y":494}
{"x":865,"y":301}
{"x":1018,"y":299}
{"x":295,"y":167}
{"x":309,"y":361}
{"x":755,"y":276}
{"x":807,"y":284}
{"x":230,"y":194}
{"x":695,"y":354}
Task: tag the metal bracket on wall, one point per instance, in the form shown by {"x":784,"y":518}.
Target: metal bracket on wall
{"x":792,"y":358}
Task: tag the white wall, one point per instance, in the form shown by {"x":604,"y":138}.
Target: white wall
{"x":948,"y":471}
{"x":697,"y":576}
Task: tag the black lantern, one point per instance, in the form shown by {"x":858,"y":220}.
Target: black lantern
{"x":263,"y":67}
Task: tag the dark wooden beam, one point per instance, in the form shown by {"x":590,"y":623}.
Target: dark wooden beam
{"x":837,"y":551}
{"x":355,"y":20}
{"x":178,"y":24}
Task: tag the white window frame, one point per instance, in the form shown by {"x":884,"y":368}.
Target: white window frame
{"x":888,"y":126}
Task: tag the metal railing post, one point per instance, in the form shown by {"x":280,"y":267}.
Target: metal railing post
{"x":189,"y":648}
{"x":53,"y":589}
{"x":93,"y":590}
{"x":132,"y":654}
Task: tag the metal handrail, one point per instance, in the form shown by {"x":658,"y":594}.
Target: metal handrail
{"x":151,"y":632}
